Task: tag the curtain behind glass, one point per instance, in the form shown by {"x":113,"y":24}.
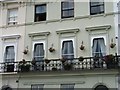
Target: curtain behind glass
{"x":38,"y":51}
{"x":9,"y":54}
{"x":102,"y":46}
{"x":98,"y":48}
{"x":67,"y":49}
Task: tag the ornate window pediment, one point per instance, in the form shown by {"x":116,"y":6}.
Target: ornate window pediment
{"x":74,"y":30}
{"x":38,"y":34}
{"x":104,"y":27}
{"x":11,"y":37}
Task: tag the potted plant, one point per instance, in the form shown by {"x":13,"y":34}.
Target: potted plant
{"x":81,"y":58}
{"x":25,"y":50}
{"x":51,"y":49}
{"x":112,"y":45}
{"x":109,"y":59}
{"x":82,"y":47}
{"x":63,"y":59}
{"x":67,"y":66}
{"x":24,"y":66}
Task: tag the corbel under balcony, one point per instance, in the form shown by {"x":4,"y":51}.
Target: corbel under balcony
{"x":104,"y":27}
{"x":71,"y":30}
{"x":10,"y":37}
{"x":38,"y":34}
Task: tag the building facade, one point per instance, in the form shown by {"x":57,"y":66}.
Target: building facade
{"x":59,"y":44}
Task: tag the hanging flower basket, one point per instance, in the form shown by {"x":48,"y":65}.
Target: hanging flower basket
{"x":82,"y":47}
{"x":63,"y":60}
{"x":25,"y":51}
{"x":51,"y":49}
{"x":24,"y":66}
{"x":112,"y":45}
{"x":109,"y":58}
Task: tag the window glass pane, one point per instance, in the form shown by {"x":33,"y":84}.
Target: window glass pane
{"x":67,"y":49}
{"x":67,"y":86}
{"x":39,"y":51}
{"x":96,"y":2}
{"x":41,"y":9}
{"x":12,"y":15}
{"x":98,"y":48}
{"x":12,"y":19}
{"x":95,"y":10}
{"x":40,"y":13}
{"x":101,"y":8}
{"x":71,"y":13}
{"x":67,"y":9}
{"x":96,"y":7}
{"x":65,"y":13}
{"x":9,"y":54}
{"x":67,"y":5}
{"x":71,"y":4}
{"x":13,"y":12}
{"x":37,"y":87}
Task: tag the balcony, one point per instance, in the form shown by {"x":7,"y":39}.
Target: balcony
{"x":76,"y":64}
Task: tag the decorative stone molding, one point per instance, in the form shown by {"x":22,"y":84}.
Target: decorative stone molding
{"x":74,"y":30}
{"x":10,"y":37}
{"x":38,"y":34}
{"x":105,"y":27}
{"x":59,"y":20}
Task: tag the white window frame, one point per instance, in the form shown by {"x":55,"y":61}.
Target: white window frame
{"x":67,"y":39}
{"x":7,"y":45}
{"x":93,"y":37}
{"x":15,"y":17}
{"x":44,"y":44}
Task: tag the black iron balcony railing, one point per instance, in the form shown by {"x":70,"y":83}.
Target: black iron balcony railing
{"x":107,"y":62}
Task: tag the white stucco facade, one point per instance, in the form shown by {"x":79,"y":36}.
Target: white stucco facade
{"x":83,"y":28}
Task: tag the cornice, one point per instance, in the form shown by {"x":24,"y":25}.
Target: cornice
{"x":69,"y":30}
{"x":10,"y":37}
{"x":38,"y":34}
{"x":92,"y":28}
{"x":61,"y":20}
